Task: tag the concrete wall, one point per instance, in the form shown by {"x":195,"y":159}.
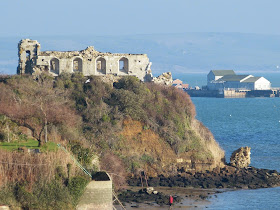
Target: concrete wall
{"x":97,"y":196}
{"x":134,"y":64}
{"x":234,"y":94}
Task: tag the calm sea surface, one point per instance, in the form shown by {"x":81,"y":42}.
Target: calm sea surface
{"x":253,"y":122}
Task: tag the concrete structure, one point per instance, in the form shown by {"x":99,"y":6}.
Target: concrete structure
{"x":88,"y":61}
{"x":227,"y":79}
{"x":98,"y":194}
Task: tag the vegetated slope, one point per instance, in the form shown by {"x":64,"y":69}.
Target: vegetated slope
{"x":142,"y":127}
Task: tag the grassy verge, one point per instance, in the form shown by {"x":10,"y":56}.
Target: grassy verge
{"x":29,"y":144}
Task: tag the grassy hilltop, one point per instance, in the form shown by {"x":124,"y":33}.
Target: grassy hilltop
{"x":123,"y":128}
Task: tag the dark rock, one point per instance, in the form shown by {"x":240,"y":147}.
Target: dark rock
{"x":227,"y":177}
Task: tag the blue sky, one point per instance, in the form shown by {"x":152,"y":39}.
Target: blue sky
{"x":122,"y":17}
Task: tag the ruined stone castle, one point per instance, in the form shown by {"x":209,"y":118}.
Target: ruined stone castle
{"x":88,"y":62}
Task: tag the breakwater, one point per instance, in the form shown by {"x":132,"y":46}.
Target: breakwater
{"x":231,"y":93}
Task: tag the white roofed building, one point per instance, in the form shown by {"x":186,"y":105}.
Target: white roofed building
{"x":257,"y":83}
{"x":227,"y":79}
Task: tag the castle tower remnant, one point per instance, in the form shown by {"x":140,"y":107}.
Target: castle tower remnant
{"x":27,"y":52}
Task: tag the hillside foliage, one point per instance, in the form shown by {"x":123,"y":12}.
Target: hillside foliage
{"x":95,"y":117}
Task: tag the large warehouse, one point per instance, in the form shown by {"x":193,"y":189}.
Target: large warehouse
{"x":227,"y":79}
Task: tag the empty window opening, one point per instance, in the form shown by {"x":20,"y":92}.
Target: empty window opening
{"x":54,"y":63}
{"x":77,"y":65}
{"x":101,"y":65}
{"x":46,"y":68}
{"x":27,"y":55}
{"x":123,"y":65}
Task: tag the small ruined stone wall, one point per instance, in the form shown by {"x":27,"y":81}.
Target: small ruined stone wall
{"x":240,"y":158}
{"x":164,"y":79}
{"x":88,"y":62}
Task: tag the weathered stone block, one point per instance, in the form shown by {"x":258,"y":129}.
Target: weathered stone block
{"x":240,"y":158}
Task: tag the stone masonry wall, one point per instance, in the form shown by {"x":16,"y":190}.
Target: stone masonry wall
{"x":88,"y":62}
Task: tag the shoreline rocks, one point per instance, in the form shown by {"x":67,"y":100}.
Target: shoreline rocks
{"x":143,"y":195}
{"x":227,"y":177}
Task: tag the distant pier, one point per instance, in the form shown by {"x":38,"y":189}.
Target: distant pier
{"x":234,"y":93}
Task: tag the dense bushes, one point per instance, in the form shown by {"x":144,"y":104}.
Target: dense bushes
{"x":44,"y":195}
{"x":166,"y":110}
{"x":88,"y":118}
{"x":102,"y":107}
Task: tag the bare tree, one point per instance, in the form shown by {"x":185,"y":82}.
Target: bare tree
{"x":35,"y":105}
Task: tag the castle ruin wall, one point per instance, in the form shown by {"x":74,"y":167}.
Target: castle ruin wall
{"x":88,"y":62}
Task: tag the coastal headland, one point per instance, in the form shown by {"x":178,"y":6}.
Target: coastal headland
{"x":135,"y":131}
{"x":141,"y":133}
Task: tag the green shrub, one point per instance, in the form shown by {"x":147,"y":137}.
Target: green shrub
{"x":7,"y":196}
{"x":76,"y":188}
{"x":148,"y":159}
{"x":134,"y":165}
{"x":53,"y":195}
{"x":83,"y":155}
{"x":106,"y":118}
{"x":3,"y":136}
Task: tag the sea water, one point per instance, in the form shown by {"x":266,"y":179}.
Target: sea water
{"x":253,"y":122}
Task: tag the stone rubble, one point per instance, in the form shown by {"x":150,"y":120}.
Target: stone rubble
{"x":164,"y":79}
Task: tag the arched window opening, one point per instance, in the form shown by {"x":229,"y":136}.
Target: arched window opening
{"x":28,"y":62}
{"x":27,"y":55}
{"x":54,"y":63}
{"x":123,"y":65}
{"x":101,"y":65}
{"x":77,"y":65}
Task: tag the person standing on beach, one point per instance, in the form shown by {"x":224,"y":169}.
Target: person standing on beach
{"x":170,"y":201}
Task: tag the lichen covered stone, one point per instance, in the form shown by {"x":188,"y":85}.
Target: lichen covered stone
{"x":240,"y":158}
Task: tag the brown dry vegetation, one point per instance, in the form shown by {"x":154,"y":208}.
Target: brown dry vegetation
{"x":145,"y":149}
{"x":113,"y":165}
{"x":35,"y":105}
{"x":19,"y":167}
{"x":135,"y":125}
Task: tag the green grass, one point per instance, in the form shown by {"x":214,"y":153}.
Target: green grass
{"x":30,"y":144}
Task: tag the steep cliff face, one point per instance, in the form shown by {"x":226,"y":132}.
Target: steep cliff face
{"x":148,"y":152}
